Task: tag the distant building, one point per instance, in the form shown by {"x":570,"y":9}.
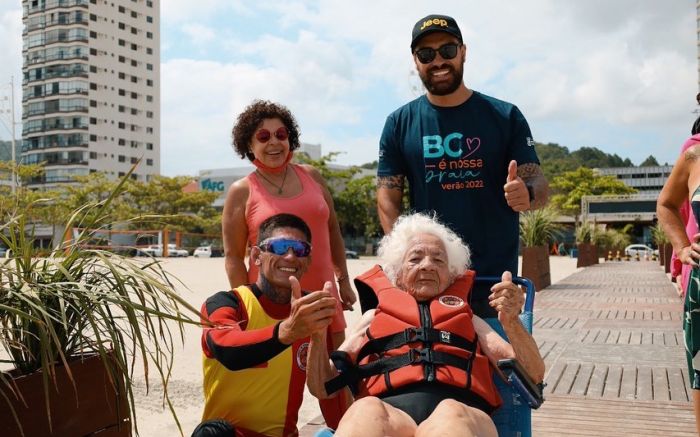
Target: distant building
{"x":645,"y":179}
{"x":91,"y":87}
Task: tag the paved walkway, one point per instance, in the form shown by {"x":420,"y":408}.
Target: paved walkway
{"x":612,"y":343}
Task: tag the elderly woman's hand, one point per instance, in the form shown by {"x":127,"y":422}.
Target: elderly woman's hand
{"x":507,"y":298}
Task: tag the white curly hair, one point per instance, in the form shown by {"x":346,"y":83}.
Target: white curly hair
{"x":394,"y":246}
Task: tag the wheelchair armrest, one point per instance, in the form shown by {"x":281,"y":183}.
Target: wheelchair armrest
{"x":522,"y":383}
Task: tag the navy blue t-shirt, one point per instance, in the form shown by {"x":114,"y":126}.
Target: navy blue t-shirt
{"x":455,"y":160}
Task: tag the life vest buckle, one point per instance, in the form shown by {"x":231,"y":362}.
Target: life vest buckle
{"x":415,"y":334}
{"x":424,"y":355}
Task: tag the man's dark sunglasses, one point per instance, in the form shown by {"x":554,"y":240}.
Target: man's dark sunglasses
{"x":280,"y":246}
{"x":426,"y":55}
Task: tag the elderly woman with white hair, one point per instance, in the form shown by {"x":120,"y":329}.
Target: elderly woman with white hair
{"x":420,"y":363}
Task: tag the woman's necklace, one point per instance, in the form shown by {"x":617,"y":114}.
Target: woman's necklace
{"x":279,"y":187}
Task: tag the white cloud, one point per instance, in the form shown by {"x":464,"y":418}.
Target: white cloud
{"x":11,"y":48}
{"x":198,"y":33}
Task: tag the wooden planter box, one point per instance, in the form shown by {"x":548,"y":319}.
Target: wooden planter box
{"x":667,"y":251}
{"x":98,"y":406}
{"x":536,"y":266}
{"x":587,"y":255}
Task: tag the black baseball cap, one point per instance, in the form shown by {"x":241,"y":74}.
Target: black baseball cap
{"x":435,"y":23}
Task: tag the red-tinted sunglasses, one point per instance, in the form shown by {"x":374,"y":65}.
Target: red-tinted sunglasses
{"x":264,"y":135}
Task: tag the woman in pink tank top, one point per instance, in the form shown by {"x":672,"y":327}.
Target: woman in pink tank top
{"x":266,"y":133}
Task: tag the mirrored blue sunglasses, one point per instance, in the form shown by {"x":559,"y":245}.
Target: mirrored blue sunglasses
{"x":280,"y":246}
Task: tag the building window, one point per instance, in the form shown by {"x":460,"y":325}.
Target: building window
{"x":122,"y":142}
{"x":122,"y":92}
{"x":122,"y":108}
{"x":149,"y":161}
{"x":122,"y":125}
{"x":134,"y":95}
{"x":149,"y":51}
{"x":93,"y":103}
{"x":134,"y":47}
{"x":93,"y":137}
{"x":133,"y":160}
{"x":149,"y":146}
{"x":149,"y":35}
{"x":134,"y":79}
{"x":93,"y":86}
{"x":93,"y":69}
{"x":122,"y":75}
{"x":149,"y":98}
{"x":134,"y":14}
{"x":149,"y":19}
{"x":122,"y":9}
{"x":93,"y":120}
{"x":121,"y":174}
{"x":149,"y":114}
{"x":121,"y":42}
{"x":134,"y":63}
{"x":121,"y":158}
{"x":149,"y":82}
{"x":93,"y":34}
{"x":134,"y":30}
{"x":149,"y":130}
{"x":122,"y":26}
{"x":122,"y":59}
{"x":134,"y":111}
{"x":149,"y":67}
{"x":149,"y":3}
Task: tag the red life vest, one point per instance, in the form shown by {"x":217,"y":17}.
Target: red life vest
{"x":409,"y":341}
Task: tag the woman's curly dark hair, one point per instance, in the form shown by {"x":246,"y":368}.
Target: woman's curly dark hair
{"x":251,"y":117}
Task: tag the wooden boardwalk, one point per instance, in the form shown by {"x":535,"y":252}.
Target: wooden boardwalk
{"x":612,"y":342}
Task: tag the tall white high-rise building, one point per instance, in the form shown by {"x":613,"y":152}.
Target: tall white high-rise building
{"x":91,"y":87}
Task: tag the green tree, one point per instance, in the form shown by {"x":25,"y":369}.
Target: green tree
{"x":356,"y":207}
{"x":570,"y":187}
{"x":649,"y":162}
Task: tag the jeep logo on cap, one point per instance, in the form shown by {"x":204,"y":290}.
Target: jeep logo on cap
{"x":435,"y":21}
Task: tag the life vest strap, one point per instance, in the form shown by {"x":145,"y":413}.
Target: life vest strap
{"x":412,"y":335}
{"x":385,"y":365}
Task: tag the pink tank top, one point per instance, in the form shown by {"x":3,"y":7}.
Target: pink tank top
{"x":311,"y":207}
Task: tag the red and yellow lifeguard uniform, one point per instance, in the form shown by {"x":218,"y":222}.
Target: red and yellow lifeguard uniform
{"x":251,"y":379}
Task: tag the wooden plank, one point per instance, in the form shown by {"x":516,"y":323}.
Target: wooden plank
{"x":645,"y":390}
{"x":657,"y":338}
{"x":567,"y":379}
{"x":628,"y":386}
{"x":613,"y":382}
{"x":676,"y":385}
{"x":582,"y":380}
{"x":601,"y":336}
{"x":647,"y":338}
{"x":635,"y":338}
{"x":553,"y":377}
{"x":613,"y":337}
{"x":660,"y":381}
{"x":597,"y":382}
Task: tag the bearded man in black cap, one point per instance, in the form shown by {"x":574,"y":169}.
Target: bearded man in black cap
{"x":466,"y":156}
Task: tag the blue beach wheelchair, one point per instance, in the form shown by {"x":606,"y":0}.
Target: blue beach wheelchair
{"x":519,"y":394}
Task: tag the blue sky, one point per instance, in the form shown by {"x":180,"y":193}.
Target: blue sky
{"x":618,"y":75}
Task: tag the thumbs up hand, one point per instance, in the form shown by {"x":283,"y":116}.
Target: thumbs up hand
{"x":506,"y":298}
{"x":308,"y":314}
{"x":515,"y":190}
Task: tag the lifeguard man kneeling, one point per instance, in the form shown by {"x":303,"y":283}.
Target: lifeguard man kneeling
{"x":256,"y":339}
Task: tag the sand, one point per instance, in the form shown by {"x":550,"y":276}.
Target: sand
{"x":202,"y":277}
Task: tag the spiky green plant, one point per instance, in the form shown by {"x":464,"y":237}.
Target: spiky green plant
{"x":538,"y":227}
{"x":74,"y":302}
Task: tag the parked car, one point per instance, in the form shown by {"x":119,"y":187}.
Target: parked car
{"x":351,"y":254}
{"x":207,"y":252}
{"x":157,"y":251}
{"x":202,"y":252}
{"x":641,"y":250}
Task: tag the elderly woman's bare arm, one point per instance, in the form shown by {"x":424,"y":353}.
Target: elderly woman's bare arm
{"x":507,"y":298}
{"x":320,"y":368}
